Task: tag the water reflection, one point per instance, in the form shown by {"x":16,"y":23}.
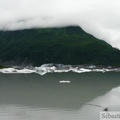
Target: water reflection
{"x":110,"y":100}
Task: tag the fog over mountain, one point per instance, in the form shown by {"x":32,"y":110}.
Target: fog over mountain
{"x":97,"y":17}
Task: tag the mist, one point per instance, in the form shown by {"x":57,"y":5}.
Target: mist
{"x":97,"y":17}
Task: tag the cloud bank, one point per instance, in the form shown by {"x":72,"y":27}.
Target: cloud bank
{"x":100,"y":18}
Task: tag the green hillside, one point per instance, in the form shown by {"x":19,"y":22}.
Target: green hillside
{"x":68,"y":45}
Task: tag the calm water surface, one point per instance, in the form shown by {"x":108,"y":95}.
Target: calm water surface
{"x":35,"y":97}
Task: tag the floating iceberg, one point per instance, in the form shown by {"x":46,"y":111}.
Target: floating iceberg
{"x":64,"y":81}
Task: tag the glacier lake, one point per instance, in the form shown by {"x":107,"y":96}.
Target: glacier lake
{"x":58,"y":96}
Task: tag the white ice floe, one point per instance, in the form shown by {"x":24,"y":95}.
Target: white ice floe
{"x":13,"y":70}
{"x":81,"y":70}
{"x":58,"y":68}
{"x":102,"y":70}
{"x":64,"y":81}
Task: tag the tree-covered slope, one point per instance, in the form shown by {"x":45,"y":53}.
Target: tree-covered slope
{"x":68,"y":45}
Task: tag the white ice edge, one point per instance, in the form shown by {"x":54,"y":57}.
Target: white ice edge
{"x":57,"y":68}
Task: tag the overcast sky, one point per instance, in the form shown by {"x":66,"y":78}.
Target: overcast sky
{"x":100,"y":18}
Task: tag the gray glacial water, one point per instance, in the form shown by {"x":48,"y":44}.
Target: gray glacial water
{"x":35,"y":97}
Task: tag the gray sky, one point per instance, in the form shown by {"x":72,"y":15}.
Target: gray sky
{"x":100,"y":18}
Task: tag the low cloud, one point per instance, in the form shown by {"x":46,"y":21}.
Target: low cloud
{"x":100,"y":18}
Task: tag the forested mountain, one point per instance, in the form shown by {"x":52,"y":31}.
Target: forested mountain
{"x":68,"y":45}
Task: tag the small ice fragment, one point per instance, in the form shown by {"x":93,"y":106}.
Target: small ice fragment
{"x":64,"y":81}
